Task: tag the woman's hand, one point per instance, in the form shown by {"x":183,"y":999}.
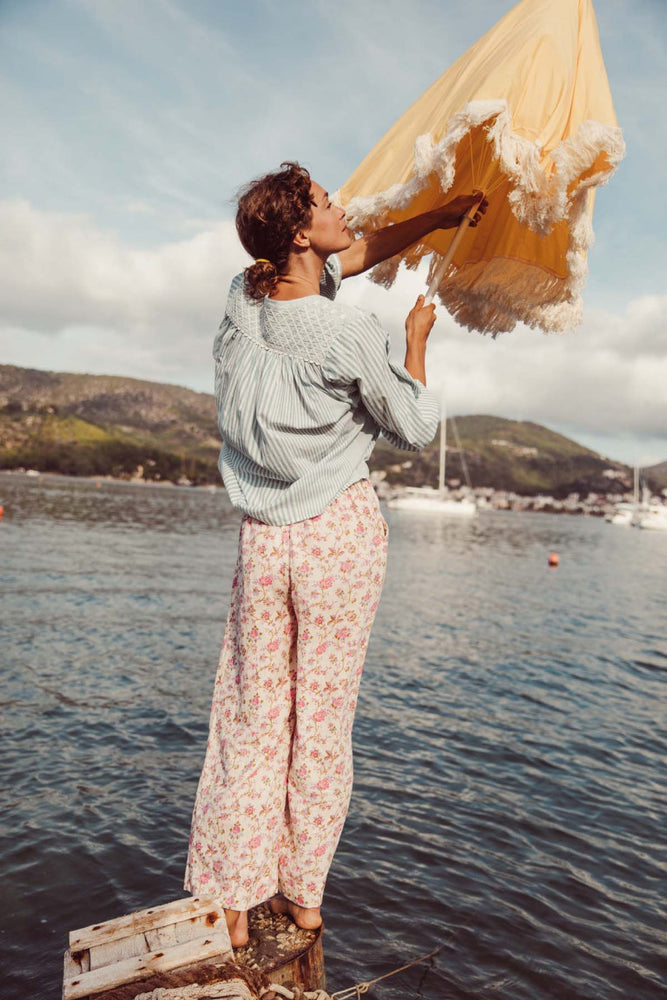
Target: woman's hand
{"x":419,"y":322}
{"x":453,"y":212}
{"x":418,"y":326}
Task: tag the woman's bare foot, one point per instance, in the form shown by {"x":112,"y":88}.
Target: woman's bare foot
{"x":237,"y":925}
{"x":308,"y":918}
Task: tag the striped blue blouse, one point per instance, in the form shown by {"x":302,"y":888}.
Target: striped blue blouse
{"x":304,"y":388}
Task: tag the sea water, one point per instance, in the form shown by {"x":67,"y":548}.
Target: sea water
{"x":509,"y":800}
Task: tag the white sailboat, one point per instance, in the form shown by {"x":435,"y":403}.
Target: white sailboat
{"x":651,"y":514}
{"x":424,"y":499}
{"x":625,"y":514}
{"x":654,"y":518}
{"x":647,"y":515}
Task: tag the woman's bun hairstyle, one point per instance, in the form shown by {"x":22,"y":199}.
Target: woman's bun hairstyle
{"x":260,"y":278}
{"x":271,"y":211}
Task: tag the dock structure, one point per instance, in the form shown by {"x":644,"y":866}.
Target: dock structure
{"x":184,"y":944}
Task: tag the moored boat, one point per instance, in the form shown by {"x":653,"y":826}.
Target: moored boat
{"x":424,"y":499}
{"x":623,"y":514}
{"x":655,"y":518}
{"x":427,"y":500}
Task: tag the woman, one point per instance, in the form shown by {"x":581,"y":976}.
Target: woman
{"x":304,"y":387}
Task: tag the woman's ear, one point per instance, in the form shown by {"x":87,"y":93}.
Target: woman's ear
{"x":301,"y":241}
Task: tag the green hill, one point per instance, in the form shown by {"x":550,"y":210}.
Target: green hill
{"x":656,"y":476}
{"x":107,"y":425}
{"x":513,"y":455}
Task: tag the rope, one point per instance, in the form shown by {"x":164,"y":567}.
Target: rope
{"x":234,"y":989}
{"x":274,"y":992}
{"x":361,"y":988}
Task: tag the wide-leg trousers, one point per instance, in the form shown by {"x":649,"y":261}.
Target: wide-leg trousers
{"x":277,"y":777}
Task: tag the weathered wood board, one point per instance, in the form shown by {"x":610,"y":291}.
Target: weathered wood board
{"x":136,"y":953}
{"x":139,"y":945}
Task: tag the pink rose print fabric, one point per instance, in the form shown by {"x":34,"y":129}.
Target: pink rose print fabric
{"x":277,"y":777}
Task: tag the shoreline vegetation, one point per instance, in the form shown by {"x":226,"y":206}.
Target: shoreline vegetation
{"x":592,"y":505}
{"x":103,"y":427}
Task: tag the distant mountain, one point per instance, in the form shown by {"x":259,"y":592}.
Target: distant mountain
{"x":656,"y":476}
{"x":513,"y":455}
{"x":107,"y":425}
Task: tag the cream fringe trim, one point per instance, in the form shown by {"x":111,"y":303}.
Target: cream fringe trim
{"x":477,"y":295}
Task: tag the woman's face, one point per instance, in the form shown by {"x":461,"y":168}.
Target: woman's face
{"x":327,"y":232}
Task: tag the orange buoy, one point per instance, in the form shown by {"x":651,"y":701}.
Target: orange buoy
{"x":554,"y":559}
{"x":2,"y":512}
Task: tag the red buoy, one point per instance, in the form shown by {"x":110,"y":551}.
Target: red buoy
{"x":554,"y":558}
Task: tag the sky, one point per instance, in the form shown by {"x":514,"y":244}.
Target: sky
{"x":130,"y":124}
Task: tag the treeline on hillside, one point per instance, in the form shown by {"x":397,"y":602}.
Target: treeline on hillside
{"x":119,"y":459}
{"x":102,"y":425}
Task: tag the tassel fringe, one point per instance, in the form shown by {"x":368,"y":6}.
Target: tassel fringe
{"x":493,"y":296}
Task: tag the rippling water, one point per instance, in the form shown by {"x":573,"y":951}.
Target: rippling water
{"x":510,"y":742}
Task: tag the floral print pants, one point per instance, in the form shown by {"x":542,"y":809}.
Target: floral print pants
{"x":277,"y":777}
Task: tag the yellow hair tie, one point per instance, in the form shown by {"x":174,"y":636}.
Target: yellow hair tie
{"x":262,"y":260}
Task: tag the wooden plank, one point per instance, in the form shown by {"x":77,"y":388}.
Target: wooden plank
{"x":128,"y":971}
{"x":168,"y":936}
{"x":157,"y":939}
{"x":76,"y":962}
{"x":117,"y":951}
{"x":144,"y":920}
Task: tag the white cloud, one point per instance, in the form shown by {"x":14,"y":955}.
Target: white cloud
{"x":184,"y":101}
{"x":605,"y":378}
{"x":76,"y":297}
{"x":60,"y":271}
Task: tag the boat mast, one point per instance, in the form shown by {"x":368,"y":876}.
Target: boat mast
{"x":443,"y":449}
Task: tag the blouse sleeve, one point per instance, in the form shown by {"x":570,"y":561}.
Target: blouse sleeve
{"x":226,"y":326}
{"x":406,"y":412}
{"x":331,"y":277}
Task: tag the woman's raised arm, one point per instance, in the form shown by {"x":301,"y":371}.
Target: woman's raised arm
{"x":372,"y":249}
